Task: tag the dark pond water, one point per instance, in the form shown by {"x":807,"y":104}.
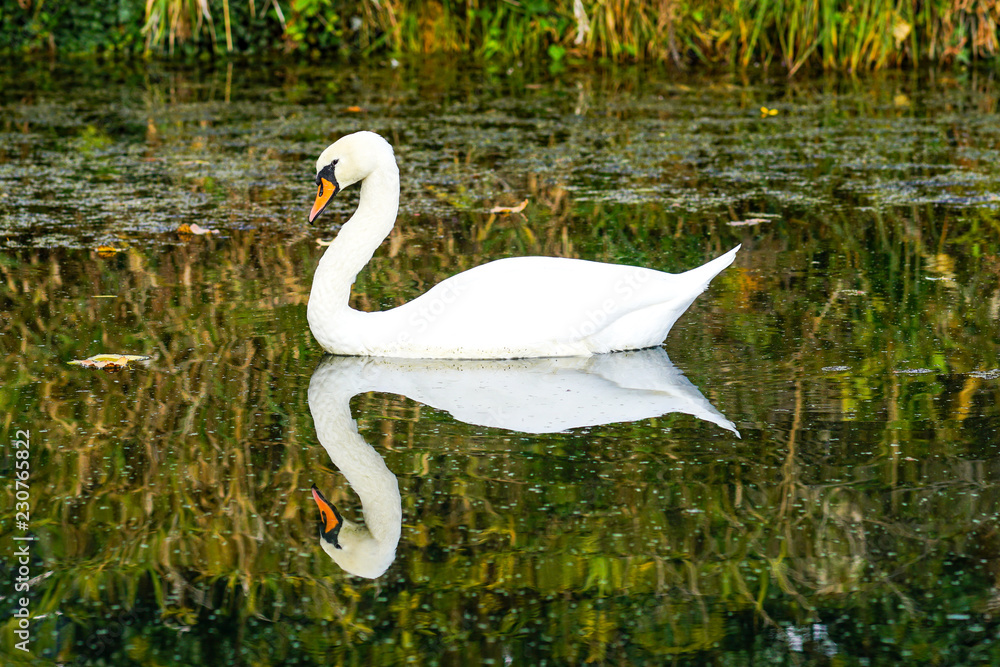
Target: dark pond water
{"x":854,"y":346}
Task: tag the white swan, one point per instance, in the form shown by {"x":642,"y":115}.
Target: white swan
{"x":509,"y":308}
{"x":526,"y":395}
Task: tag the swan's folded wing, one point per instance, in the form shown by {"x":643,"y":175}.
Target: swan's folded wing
{"x":547,"y":305}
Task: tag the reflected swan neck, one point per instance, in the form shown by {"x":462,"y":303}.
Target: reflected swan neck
{"x":365,"y":470}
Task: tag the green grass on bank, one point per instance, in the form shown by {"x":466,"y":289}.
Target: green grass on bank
{"x":832,"y":34}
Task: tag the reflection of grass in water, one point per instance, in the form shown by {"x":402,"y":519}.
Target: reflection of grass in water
{"x":178,"y":492}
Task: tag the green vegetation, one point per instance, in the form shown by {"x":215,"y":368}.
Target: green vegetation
{"x":832,"y":34}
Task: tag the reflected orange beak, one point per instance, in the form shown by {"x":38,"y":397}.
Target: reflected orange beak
{"x":330,"y":520}
{"x":323,"y":197}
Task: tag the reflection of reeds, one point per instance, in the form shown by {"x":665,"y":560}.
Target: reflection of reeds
{"x":177,"y":491}
{"x":180,"y":487}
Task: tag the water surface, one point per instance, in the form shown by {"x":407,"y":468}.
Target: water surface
{"x":853,"y":345}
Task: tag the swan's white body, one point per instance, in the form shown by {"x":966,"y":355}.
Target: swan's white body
{"x":509,"y":308}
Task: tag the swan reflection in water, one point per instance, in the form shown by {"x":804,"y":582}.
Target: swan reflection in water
{"x":527,"y":395}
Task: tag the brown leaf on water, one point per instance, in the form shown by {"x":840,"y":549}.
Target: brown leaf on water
{"x":107,"y":251}
{"x":509,"y":209}
{"x":195,"y":229}
{"x":748,"y":222}
{"x":108,"y":362}
{"x":321,"y":243}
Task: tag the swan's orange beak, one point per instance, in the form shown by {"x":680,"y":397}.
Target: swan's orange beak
{"x":330,"y":520}
{"x":323,"y":197}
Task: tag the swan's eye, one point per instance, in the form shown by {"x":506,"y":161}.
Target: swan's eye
{"x":319,"y":193}
{"x":327,"y":172}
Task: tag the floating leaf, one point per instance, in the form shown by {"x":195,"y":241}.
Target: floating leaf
{"x":509,"y":209}
{"x":107,"y":250}
{"x":195,"y":228}
{"x":108,"y":362}
{"x":322,"y":243}
{"x":354,"y":109}
{"x":765,"y":112}
{"x":748,"y":222}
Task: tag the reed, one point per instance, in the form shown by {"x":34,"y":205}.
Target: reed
{"x":828,"y":34}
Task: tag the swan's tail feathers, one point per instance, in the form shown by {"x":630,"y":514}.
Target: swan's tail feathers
{"x":704,"y":273}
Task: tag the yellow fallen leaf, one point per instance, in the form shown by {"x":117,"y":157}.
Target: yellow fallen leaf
{"x":354,"y":109}
{"x":108,"y":362}
{"x":765,"y":112}
{"x":509,"y":209}
{"x":107,"y":250}
{"x":321,"y":243}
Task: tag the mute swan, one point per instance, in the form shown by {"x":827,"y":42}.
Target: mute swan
{"x":508,"y":308}
{"x":526,"y":395}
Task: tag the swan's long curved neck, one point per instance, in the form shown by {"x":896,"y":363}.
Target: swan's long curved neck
{"x":357,"y":241}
